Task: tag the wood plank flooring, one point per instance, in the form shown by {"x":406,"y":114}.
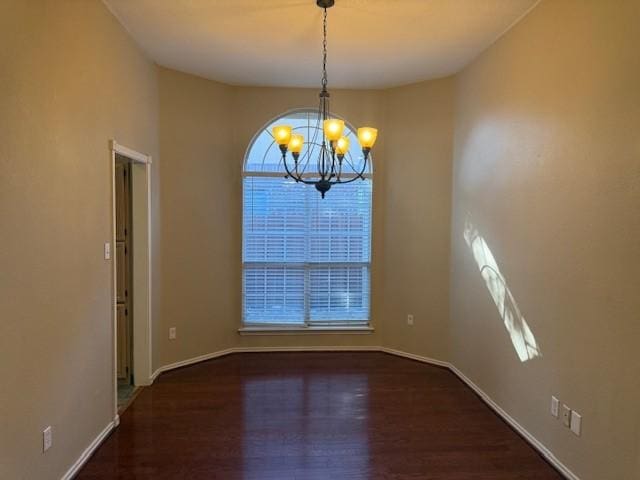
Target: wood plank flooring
{"x":307,"y":416}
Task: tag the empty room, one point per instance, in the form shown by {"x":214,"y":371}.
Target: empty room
{"x":320,"y":239}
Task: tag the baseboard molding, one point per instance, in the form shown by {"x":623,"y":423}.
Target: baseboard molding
{"x":533,"y":441}
{"x":337,"y":348}
{"x":79,"y":463}
{"x":419,"y":358}
{"x":190,"y":361}
{"x":228,"y":351}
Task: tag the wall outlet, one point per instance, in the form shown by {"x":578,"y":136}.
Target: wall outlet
{"x":555,"y":407}
{"x":409,"y":319}
{"x":566,"y":415}
{"x":47,"y":438}
{"x":172,"y":333}
{"x":576,"y":423}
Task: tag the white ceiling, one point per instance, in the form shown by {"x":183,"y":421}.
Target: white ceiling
{"x":372,"y":43}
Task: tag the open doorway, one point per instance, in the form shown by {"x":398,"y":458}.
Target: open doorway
{"x":124,"y":287}
{"x":131,"y":181}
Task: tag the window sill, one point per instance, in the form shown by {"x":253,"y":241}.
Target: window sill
{"x":273,"y":330}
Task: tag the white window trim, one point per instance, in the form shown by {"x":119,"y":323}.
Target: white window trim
{"x":306,"y":330}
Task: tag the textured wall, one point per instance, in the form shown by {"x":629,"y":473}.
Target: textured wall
{"x":71,"y":79}
{"x":545,"y":251}
{"x":419,"y":137}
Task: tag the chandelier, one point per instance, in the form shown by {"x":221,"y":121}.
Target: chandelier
{"x":331,"y":148}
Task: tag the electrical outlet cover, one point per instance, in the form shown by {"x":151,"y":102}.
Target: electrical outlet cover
{"x":555,"y":407}
{"x":576,"y":423}
{"x":566,"y":415}
{"x":47,"y":439}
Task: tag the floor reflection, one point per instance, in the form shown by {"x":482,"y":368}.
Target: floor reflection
{"x":303,"y":423}
{"x":522,"y":338}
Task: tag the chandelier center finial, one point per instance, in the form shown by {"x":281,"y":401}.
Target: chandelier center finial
{"x":325,"y":3}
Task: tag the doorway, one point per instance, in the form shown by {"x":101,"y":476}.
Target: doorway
{"x":124,"y":291}
{"x":131,"y":209}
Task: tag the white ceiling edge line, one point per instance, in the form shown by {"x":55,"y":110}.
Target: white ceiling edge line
{"x":500,"y":35}
{"x":127,"y":30}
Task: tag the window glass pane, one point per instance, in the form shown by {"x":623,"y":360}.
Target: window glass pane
{"x":273,"y":294}
{"x":339,"y":293}
{"x":339,"y":227}
{"x":275,"y":220}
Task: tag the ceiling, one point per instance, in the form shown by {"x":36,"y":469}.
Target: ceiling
{"x":372,"y":43}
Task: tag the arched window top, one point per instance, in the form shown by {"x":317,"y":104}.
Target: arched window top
{"x":264,"y":157}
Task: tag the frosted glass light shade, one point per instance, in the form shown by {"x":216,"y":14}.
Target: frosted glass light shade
{"x":333,"y":129}
{"x":342,"y":145}
{"x":282,"y":134}
{"x":367,"y":136}
{"x":296,"y":143}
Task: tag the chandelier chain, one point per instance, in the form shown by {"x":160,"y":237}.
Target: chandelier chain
{"x":324,"y":51}
{"x":333,"y":145}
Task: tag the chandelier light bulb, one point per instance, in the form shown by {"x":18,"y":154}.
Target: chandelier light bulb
{"x":296,"y":143}
{"x":342,"y":145}
{"x":282,"y":134}
{"x":367,"y":137}
{"x":333,"y":129}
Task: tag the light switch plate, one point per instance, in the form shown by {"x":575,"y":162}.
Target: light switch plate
{"x":566,"y":415}
{"x":172,"y":333}
{"x":47,"y":439}
{"x":409,"y":319}
{"x":555,"y":407}
{"x":576,"y":423}
{"x":107,"y":251}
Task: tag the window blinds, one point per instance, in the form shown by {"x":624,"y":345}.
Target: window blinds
{"x":305,"y":260}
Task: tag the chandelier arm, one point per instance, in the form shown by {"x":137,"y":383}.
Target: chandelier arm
{"x":286,"y":167}
{"x":359,"y":176}
{"x":347,"y":158}
{"x":333,"y":163}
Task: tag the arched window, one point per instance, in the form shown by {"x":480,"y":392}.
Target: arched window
{"x":306,"y":260}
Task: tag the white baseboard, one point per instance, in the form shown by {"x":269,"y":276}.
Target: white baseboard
{"x":337,"y":348}
{"x":533,"y":441}
{"x":190,"y":361}
{"x":419,"y":358}
{"x":221,"y":353}
{"x":79,"y":463}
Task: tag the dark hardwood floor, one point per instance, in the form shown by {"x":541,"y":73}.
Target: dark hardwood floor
{"x":259,"y":416}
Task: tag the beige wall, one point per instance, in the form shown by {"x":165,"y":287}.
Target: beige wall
{"x":547,"y":170}
{"x":71,"y":79}
{"x":205,"y":129}
{"x":419,"y":135}
{"x":199,"y":269}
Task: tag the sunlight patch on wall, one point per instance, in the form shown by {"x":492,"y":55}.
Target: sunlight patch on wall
{"x":521,"y":335}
